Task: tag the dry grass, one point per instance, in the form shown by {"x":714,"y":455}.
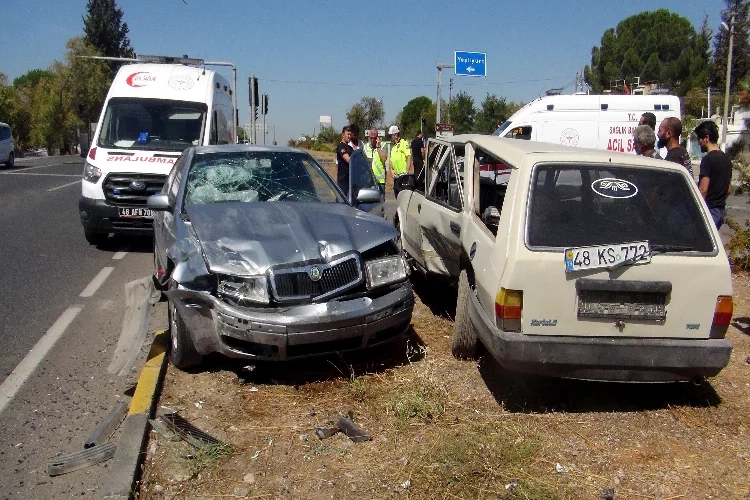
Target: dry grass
{"x":443,"y":428}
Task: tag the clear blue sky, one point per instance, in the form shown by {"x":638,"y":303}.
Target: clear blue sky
{"x":320,"y":57}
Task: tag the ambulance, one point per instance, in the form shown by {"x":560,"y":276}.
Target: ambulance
{"x":153,"y":111}
{"x":587,"y":121}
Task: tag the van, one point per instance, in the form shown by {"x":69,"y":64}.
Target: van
{"x":583,"y":264}
{"x":153,"y":111}
{"x":587,"y":121}
{"x":7,"y":154}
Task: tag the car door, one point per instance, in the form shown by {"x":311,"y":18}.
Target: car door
{"x":440,"y":215}
{"x":411,"y":230}
{"x":164,"y":227}
{"x":361,"y":177}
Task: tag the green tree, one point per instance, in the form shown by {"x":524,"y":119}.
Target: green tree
{"x":85,"y":81}
{"x":494,"y":112}
{"x":740,"y":45}
{"x":104,"y":29}
{"x":653,"y":45}
{"x":410,"y":119}
{"x":3,"y":80}
{"x":462,"y":113}
{"x":367,"y":113}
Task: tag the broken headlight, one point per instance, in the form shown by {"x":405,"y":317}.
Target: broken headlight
{"x":385,"y":271}
{"x":239,"y":290}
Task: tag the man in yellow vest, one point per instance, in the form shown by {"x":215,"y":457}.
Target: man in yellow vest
{"x":399,"y":155}
{"x":370,"y":150}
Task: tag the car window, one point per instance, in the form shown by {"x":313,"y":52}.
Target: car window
{"x":491,"y":176}
{"x":585,"y":205}
{"x":523,"y":132}
{"x":258,"y":176}
{"x":444,"y":183}
{"x":172,"y":185}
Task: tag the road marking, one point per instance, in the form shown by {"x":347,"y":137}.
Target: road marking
{"x":26,"y":367}
{"x":96,"y":282}
{"x":41,"y":175}
{"x":38,"y":166}
{"x":63,"y":186}
{"x":119,"y":255}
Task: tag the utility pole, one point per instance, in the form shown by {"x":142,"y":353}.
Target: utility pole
{"x":253,"y":107}
{"x":440,"y":67}
{"x":450,"y":98}
{"x":264,"y":100}
{"x":729,"y":76}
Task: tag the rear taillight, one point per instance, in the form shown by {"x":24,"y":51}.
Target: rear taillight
{"x":92,"y":153}
{"x":508,"y":308}
{"x":722,"y":316}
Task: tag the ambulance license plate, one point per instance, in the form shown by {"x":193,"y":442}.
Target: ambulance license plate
{"x":135,"y":213}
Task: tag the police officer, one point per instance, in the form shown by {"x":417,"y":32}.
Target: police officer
{"x":399,"y":155}
{"x":370,"y":150}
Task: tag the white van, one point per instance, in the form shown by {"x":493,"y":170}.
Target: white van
{"x":587,"y":121}
{"x":153,"y":111}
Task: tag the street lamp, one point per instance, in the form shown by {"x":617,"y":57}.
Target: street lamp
{"x":729,"y":28}
{"x":440,"y":67}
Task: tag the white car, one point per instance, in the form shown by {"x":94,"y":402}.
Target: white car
{"x":7,"y":155}
{"x":583,"y":264}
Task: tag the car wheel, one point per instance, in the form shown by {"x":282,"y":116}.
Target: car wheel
{"x":464,"y":343}
{"x":11,"y":160}
{"x":95,"y":238}
{"x":182,"y":352}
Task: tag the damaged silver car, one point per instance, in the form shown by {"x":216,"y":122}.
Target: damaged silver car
{"x":262,"y":257}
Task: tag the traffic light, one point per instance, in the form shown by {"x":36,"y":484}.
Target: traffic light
{"x":265,"y":104}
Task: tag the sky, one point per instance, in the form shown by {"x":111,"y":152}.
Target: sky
{"x":321,"y":57}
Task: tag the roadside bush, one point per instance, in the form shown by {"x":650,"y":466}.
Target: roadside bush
{"x":738,"y":246}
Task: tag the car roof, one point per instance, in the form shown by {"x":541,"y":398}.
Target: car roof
{"x":513,"y":151}
{"x":238,"y":148}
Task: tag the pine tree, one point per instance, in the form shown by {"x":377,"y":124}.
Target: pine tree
{"x":103,"y":28}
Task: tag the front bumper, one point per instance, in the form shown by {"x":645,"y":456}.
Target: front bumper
{"x":292,"y":332}
{"x":602,"y":358}
{"x":97,"y":216}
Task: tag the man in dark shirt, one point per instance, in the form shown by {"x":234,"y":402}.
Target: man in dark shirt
{"x":669,"y":137}
{"x":417,"y":152}
{"x":343,"y":153}
{"x":649,"y":119}
{"x":716,"y":171}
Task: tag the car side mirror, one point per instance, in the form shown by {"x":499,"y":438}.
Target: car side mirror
{"x":408,"y":182}
{"x":158,"y":203}
{"x":369,"y":195}
{"x":491,"y":218}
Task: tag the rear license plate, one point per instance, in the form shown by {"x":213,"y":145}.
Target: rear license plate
{"x":135,"y":213}
{"x":595,"y":257}
{"x":621,"y":305}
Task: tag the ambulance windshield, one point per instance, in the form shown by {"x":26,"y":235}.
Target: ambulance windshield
{"x":152,"y":124}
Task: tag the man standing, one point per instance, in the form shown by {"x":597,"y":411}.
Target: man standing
{"x":370,"y":149}
{"x":669,"y":137}
{"x":343,"y":153}
{"x":417,"y":152}
{"x":649,"y":119}
{"x":644,"y":140}
{"x":354,"y":141}
{"x":715,"y":176}
{"x":399,"y":156}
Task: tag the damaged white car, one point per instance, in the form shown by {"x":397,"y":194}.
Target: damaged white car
{"x":262,"y":257}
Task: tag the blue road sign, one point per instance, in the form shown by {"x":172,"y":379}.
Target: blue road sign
{"x":471,"y":63}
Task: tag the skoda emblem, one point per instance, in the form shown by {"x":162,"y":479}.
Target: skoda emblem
{"x":315,"y":273}
{"x":614,"y":188}
{"x":137,"y":186}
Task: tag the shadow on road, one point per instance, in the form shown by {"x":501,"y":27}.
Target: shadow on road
{"x":439,"y":296}
{"x":128,"y":243}
{"x":742,"y":324}
{"x":522,"y":393}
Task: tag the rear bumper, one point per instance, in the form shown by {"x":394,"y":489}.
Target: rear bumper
{"x":97,"y":216}
{"x":295,"y":331}
{"x":602,"y":358}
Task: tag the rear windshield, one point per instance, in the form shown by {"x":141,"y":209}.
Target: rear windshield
{"x":153,"y":124}
{"x":574,"y":206}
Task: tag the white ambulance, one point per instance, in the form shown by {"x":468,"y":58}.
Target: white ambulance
{"x":153,"y":111}
{"x":587,"y":121}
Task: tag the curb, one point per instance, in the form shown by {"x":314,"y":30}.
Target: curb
{"x":126,"y":467}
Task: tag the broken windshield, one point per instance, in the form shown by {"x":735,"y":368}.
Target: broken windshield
{"x":153,"y":124}
{"x":250,"y":176}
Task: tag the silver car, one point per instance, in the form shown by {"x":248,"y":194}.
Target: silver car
{"x":261,"y":256}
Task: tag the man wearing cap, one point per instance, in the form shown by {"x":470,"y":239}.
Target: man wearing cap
{"x":399,"y":155}
{"x":370,"y":149}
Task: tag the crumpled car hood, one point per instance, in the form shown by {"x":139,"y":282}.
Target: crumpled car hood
{"x":245,"y":239}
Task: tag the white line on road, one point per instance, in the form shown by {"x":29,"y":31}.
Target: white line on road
{"x":96,"y":282}
{"x":19,"y":170}
{"x":26,"y":367}
{"x":63,"y":186}
{"x":41,"y":175}
{"x":119,"y":255}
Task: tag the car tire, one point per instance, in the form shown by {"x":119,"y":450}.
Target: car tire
{"x":182,"y":352}
{"x":95,"y":238}
{"x":464,"y":342}
{"x":11,"y":160}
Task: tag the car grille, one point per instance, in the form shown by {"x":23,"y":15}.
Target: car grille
{"x":297,"y":283}
{"x":119,"y":191}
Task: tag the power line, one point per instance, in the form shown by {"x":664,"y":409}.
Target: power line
{"x":430,"y":85}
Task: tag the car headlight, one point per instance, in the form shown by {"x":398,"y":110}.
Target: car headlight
{"x":252,"y":289}
{"x":91,"y":173}
{"x":384,"y":271}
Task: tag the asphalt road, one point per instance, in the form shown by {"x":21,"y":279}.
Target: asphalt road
{"x":61,"y":313}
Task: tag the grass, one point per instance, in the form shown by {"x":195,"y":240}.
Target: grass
{"x":209,"y":456}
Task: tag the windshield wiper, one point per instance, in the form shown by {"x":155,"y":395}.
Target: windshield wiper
{"x":654,"y":250}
